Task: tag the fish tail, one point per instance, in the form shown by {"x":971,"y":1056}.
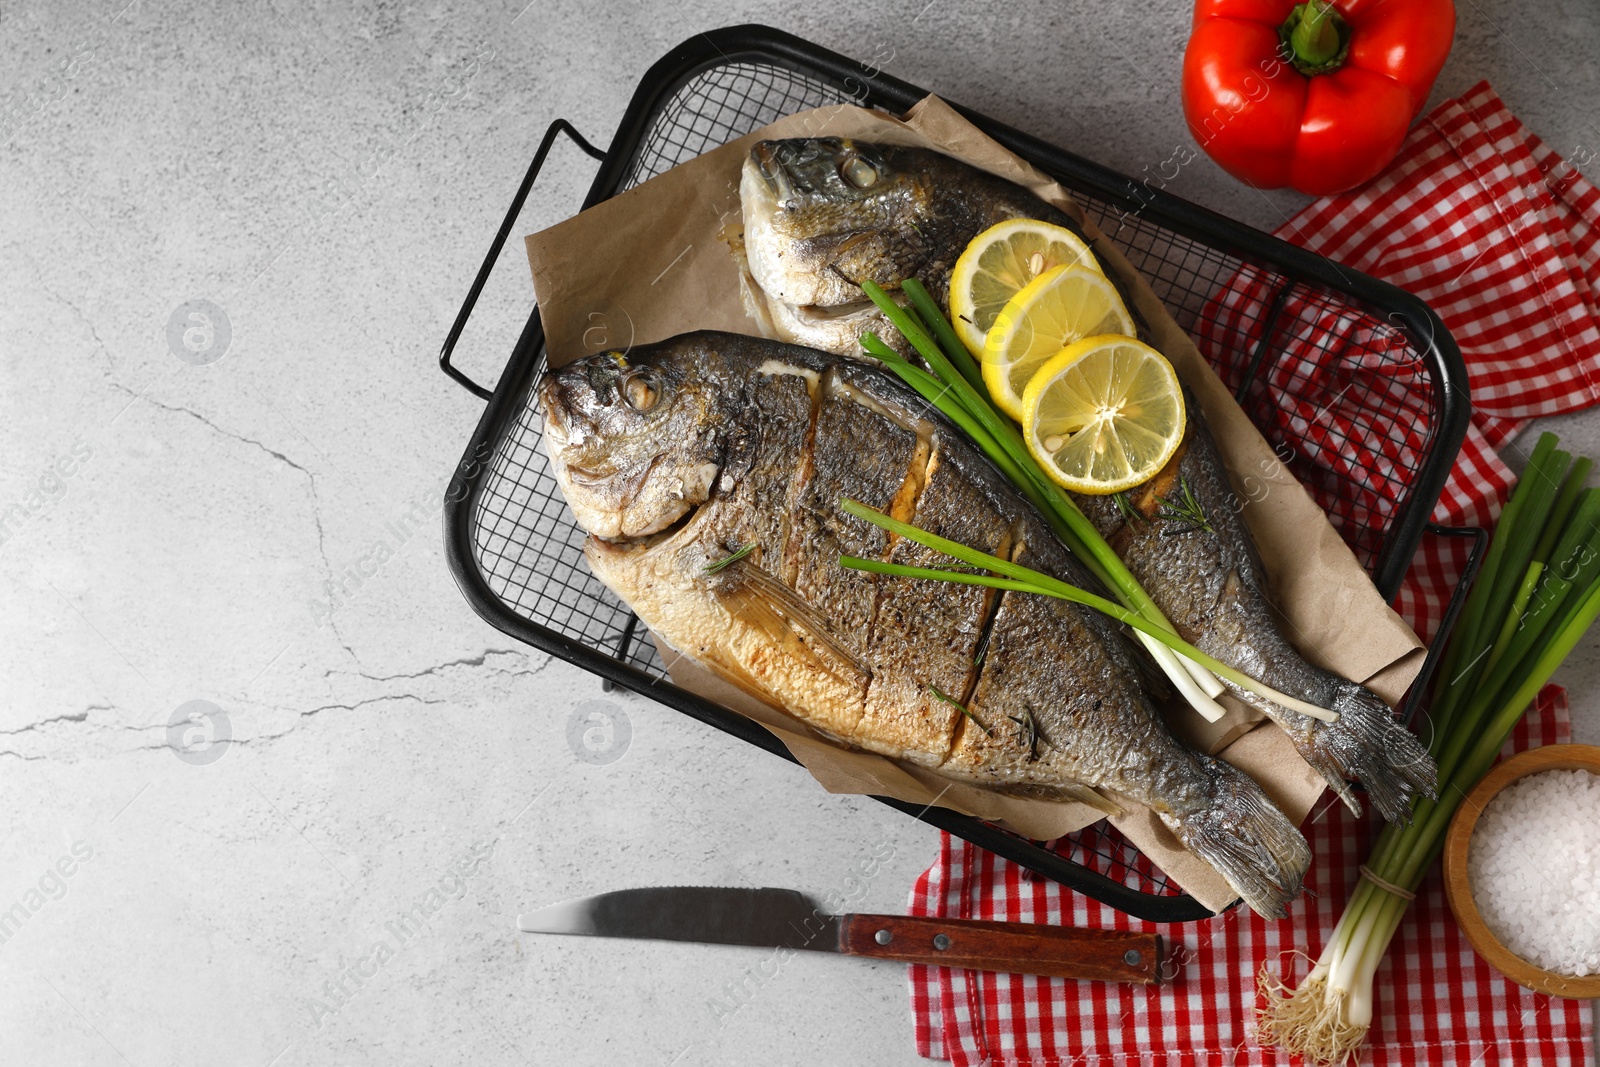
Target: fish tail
{"x":1241,"y":833}
{"x":1369,"y":745}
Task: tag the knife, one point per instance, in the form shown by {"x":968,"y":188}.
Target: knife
{"x":779,"y":918}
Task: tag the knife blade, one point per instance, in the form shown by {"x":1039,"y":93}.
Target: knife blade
{"x":778,"y":918}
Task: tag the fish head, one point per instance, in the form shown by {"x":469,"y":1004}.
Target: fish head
{"x":823,"y":214}
{"x":634,"y":439}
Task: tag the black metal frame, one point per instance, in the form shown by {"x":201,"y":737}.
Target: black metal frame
{"x":758,"y":44}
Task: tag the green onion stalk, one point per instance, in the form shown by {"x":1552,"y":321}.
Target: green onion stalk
{"x":1534,"y":599}
{"x":1004,"y":574}
{"x":953,"y":384}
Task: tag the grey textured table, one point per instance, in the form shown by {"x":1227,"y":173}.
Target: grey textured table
{"x":329,"y":175}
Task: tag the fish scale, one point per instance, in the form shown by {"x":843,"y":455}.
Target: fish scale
{"x":935,"y":630}
{"x":785,"y":406}
{"x":867,"y":459}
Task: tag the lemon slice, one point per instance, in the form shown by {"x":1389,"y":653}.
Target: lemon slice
{"x":1000,"y":261}
{"x":1104,"y":415}
{"x":1059,"y":307}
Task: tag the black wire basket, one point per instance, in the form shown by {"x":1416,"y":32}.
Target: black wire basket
{"x":517,"y":553}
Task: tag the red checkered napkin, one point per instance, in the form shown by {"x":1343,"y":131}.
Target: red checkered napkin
{"x":1501,"y":236}
{"x":1438,"y":1004}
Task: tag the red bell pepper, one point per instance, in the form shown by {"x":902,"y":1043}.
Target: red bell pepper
{"x":1314,"y":95}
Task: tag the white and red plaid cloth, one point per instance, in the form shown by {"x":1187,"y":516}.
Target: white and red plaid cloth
{"x":1501,"y":236}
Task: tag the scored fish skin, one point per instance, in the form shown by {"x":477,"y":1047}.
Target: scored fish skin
{"x":1008,"y":690}
{"x":1213,"y":579}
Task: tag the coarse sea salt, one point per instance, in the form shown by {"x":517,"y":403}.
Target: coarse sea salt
{"x":1534,"y":867}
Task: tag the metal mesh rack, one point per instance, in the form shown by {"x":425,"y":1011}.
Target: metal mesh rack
{"x":518,"y":553}
{"x":720,"y":105}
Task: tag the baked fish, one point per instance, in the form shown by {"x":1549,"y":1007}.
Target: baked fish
{"x":822,"y":215}
{"x":708,"y":470}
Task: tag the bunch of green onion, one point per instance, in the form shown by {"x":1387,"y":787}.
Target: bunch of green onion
{"x":1535,"y":597}
{"x":953,"y":384}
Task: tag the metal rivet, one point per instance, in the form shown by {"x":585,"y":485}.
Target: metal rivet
{"x":883,"y":937}
{"x":941,"y":942}
{"x":1132,"y":957}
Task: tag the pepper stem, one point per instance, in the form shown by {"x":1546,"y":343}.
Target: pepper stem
{"x":1315,"y":38}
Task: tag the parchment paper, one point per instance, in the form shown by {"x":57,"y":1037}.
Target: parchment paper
{"x":649,"y":264}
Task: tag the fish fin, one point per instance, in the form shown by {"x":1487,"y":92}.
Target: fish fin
{"x":1089,"y":795}
{"x":1367,"y":744}
{"x":1302,"y":731}
{"x":752,"y":296}
{"x":756,"y":611}
{"x":1371,"y":746}
{"x":1241,"y":833}
{"x":1342,"y":789}
{"x":783,"y":615}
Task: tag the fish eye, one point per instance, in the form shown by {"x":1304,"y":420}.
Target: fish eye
{"x":858,"y":172}
{"x":640,"y":392}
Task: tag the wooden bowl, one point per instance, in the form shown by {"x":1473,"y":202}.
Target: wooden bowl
{"x":1459,"y":891}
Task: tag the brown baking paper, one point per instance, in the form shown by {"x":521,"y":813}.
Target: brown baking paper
{"x":649,"y":264}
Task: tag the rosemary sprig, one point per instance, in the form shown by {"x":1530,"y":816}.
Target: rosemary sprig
{"x":1130,"y":514}
{"x":983,"y":649}
{"x":1030,"y":728}
{"x":729,"y":560}
{"x":937,"y":695}
{"x":1186,"y":510}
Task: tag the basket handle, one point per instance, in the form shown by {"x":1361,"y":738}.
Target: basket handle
{"x":1480,"y":538}
{"x":558,"y":126}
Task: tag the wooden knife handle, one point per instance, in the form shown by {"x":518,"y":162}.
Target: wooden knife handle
{"x":1018,"y":948}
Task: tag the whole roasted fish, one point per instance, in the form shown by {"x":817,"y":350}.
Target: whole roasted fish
{"x":823,"y":215}
{"x":709,"y":469}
